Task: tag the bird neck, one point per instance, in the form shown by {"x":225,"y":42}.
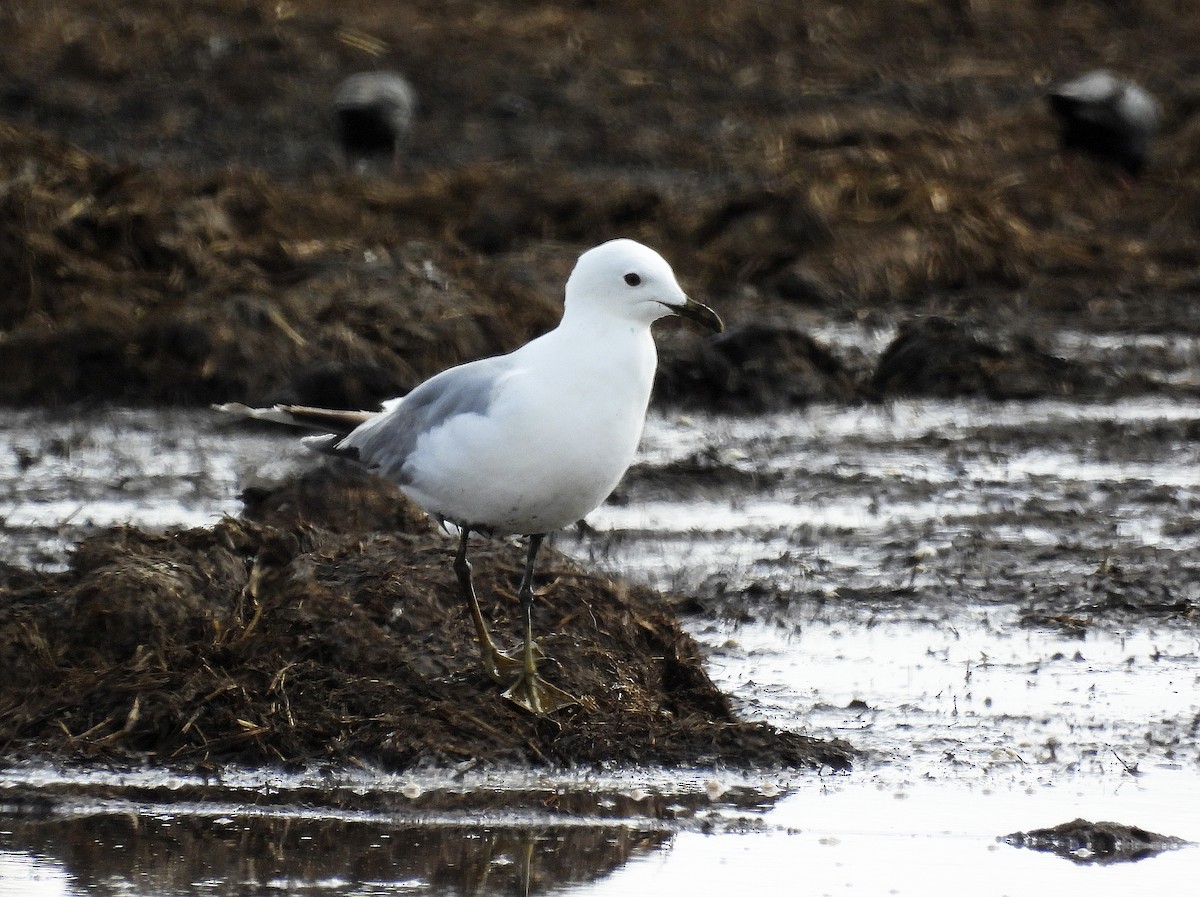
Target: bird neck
{"x":607,"y":341}
{"x":592,"y":319}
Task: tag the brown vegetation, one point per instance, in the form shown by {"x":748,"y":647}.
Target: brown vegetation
{"x":196,"y":241}
{"x":293,"y":643}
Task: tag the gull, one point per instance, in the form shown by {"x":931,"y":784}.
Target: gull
{"x":1108,"y":117}
{"x":373,"y":113}
{"x":525,"y":443}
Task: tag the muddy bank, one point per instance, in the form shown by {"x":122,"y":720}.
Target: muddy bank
{"x":154,"y":286}
{"x":182,"y":230}
{"x":297,"y":642}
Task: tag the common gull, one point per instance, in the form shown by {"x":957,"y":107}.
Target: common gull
{"x":1107,"y":116}
{"x":373,"y":114}
{"x":524,"y":443}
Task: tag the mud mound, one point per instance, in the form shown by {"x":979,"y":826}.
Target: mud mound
{"x":1102,"y":843}
{"x":294,"y":643}
{"x":754,"y":368}
{"x":942,"y":358}
{"x":157,"y":286}
{"x":145,"y":285}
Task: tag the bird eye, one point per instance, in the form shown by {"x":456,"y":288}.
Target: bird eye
{"x":632,"y":279}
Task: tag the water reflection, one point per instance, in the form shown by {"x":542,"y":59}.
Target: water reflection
{"x":130,"y":853}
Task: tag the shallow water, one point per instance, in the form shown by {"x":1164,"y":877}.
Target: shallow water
{"x":865,"y":573}
{"x":643,"y":832}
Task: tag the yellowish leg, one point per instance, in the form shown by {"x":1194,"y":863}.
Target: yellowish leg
{"x":531,"y":691}
{"x":496,"y":664}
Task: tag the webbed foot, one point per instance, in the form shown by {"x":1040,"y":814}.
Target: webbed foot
{"x":533,"y":693}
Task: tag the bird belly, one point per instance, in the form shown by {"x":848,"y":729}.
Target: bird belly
{"x":527,"y":467}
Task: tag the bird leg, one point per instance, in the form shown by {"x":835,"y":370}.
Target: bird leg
{"x":531,"y":691}
{"x":496,"y":664}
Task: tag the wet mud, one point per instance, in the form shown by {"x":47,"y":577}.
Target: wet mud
{"x":854,"y":573}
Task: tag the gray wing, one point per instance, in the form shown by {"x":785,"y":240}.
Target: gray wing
{"x":385,"y":442}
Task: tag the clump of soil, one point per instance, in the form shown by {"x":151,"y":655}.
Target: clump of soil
{"x":944,"y":358}
{"x":755,"y":368}
{"x":1087,"y":842}
{"x":295,"y":641}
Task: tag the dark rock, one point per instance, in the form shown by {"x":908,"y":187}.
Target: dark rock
{"x":1081,"y":841}
{"x":339,"y":384}
{"x":941,"y":358}
{"x":753,"y":368}
{"x":373,"y":113}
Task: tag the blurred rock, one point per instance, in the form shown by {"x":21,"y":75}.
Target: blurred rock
{"x":1086,"y":843}
{"x":373,"y":113}
{"x":941,"y":358}
{"x":753,"y":368}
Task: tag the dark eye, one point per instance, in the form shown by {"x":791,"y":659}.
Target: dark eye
{"x":632,"y":279}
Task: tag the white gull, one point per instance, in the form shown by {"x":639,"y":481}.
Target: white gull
{"x":1107,"y":116}
{"x":524,"y":443}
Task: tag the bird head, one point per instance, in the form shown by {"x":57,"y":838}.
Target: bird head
{"x":628,"y":280}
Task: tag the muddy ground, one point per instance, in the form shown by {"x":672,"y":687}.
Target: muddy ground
{"x":327,"y":627}
{"x":180,"y":230}
{"x":180,"y":227}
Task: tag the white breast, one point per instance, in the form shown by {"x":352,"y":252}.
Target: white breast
{"x":563,"y":429}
